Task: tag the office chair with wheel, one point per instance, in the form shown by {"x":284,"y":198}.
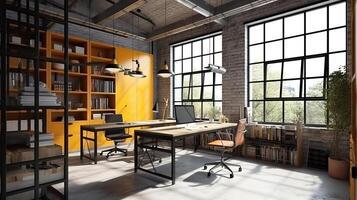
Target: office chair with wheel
{"x":227,"y":142}
{"x":117,"y":135}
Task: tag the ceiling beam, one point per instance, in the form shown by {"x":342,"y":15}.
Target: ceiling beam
{"x":201,"y":7}
{"x":118,"y":9}
{"x":138,"y":14}
{"x":226,"y":10}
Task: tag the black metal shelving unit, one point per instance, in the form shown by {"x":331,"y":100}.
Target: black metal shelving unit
{"x":31,"y":23}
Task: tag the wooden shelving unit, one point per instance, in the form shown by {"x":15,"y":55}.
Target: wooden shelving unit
{"x":271,"y":143}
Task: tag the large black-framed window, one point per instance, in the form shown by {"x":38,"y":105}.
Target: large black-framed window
{"x":289,"y":61}
{"x":193,"y":84}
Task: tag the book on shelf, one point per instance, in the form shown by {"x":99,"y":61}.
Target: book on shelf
{"x":100,"y":103}
{"x":271,"y":133}
{"x":99,"y":85}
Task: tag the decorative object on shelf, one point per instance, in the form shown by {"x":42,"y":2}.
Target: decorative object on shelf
{"x":223,"y":119}
{"x":338,"y":106}
{"x":137,"y":73}
{"x":166,"y":106}
{"x":97,"y":116}
{"x":165,"y":72}
{"x":16,"y":40}
{"x":79,"y":50}
{"x":58,"y":66}
{"x":57,"y":47}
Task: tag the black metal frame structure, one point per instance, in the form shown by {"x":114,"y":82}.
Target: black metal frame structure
{"x":190,"y":73}
{"x":99,"y":128}
{"x":140,"y":143}
{"x":302,"y":97}
{"x":31,"y":21}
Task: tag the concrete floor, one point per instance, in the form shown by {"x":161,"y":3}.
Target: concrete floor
{"x":114,"y":179}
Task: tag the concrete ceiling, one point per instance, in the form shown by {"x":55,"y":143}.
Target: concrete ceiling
{"x":154,"y":21}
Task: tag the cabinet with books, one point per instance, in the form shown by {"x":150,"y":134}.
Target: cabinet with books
{"x":272,"y":143}
{"x":102,"y":82}
{"x":77,"y":80}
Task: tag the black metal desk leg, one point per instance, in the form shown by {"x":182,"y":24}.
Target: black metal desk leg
{"x":95,"y":146}
{"x":135,"y":153}
{"x":81,"y":141}
{"x":173,"y":173}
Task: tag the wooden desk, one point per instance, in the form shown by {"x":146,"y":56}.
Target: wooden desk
{"x":172,"y":133}
{"x":113,"y":126}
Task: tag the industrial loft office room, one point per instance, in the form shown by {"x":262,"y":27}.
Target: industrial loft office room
{"x":178,"y":99}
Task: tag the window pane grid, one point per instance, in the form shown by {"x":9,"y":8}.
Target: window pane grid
{"x":199,"y":86}
{"x":304,"y":86}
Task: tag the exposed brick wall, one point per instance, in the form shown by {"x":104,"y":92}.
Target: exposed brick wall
{"x":234,"y":82}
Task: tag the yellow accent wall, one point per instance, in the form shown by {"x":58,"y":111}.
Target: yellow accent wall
{"x":134,"y":99}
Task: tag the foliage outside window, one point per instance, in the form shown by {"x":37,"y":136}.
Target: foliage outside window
{"x":289,"y":61}
{"x":193,"y":84}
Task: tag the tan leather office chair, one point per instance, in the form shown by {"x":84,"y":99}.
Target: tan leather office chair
{"x":227,"y":142}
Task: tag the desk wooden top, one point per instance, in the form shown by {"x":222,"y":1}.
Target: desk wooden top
{"x":109,"y":126}
{"x":185,"y":130}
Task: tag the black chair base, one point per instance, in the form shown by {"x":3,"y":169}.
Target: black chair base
{"x":223,"y":164}
{"x":114,"y":150}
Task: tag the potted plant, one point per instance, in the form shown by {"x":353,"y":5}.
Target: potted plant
{"x":338,"y":106}
{"x":212,"y":113}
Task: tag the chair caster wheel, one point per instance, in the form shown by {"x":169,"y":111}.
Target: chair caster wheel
{"x":204,"y":167}
{"x":240,"y":169}
{"x":209,"y":174}
{"x":231,"y":176}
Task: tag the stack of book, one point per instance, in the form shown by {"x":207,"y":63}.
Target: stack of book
{"x":45,"y":139}
{"x":27,"y":138}
{"x":46,"y":98}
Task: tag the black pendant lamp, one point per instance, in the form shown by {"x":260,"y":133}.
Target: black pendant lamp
{"x":113,"y":67}
{"x":137,"y":73}
{"x":165,"y":72}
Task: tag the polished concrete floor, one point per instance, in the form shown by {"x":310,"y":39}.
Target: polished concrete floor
{"x":115,"y":179}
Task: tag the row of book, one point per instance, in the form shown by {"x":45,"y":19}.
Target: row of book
{"x":59,"y":86}
{"x":16,"y":80}
{"x":271,"y":153}
{"x":100,"y":103}
{"x":258,"y":131}
{"x":102,"y":85}
{"x":46,"y":98}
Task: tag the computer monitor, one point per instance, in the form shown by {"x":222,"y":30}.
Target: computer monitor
{"x":184,"y":114}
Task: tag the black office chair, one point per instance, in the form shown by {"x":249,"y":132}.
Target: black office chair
{"x":117,"y":135}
